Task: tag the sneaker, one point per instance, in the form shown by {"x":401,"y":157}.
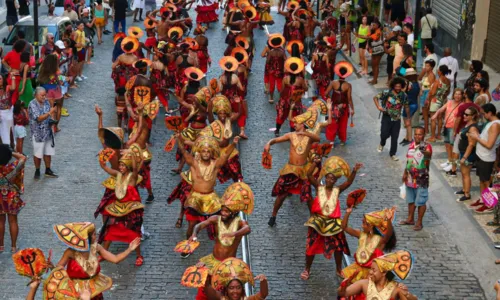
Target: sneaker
{"x":78,"y":78}
{"x":185,"y":255}
{"x":461,"y":192}
{"x":484,"y":210}
{"x":84,"y":77}
{"x":463,"y":198}
{"x":64,"y":112}
{"x":150,"y":199}
{"x":451,"y":173}
{"x":380,"y":148}
{"x":497,"y":245}
{"x":272,"y":221}
{"x":394,"y":158}
{"x":37,"y":174}
{"x":146,"y":235}
{"x":445,"y":164}
{"x":448,"y":168}
{"x":403,"y":141}
{"x":476,"y":204}
{"x":50,"y":173}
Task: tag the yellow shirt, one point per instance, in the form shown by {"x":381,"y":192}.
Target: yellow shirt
{"x":79,"y":39}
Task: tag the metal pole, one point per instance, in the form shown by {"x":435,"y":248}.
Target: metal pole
{"x":317,"y":9}
{"x":245,"y":253}
{"x":35,"y":28}
{"x":416,"y":29}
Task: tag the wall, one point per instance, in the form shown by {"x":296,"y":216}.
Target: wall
{"x":480,"y":29}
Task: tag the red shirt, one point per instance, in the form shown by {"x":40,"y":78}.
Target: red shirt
{"x":460,"y":113}
{"x":13,"y":59}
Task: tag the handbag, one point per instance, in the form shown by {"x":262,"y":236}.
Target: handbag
{"x":433,"y":30}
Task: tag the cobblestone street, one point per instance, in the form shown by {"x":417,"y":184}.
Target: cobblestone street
{"x":440,"y":268}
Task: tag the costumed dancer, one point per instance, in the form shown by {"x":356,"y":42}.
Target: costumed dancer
{"x":291,"y":7}
{"x":11,"y":187}
{"x":159,"y":75}
{"x":242,"y":57}
{"x":229,"y":281}
{"x":205,"y":163}
{"x":185,"y":59}
{"x":246,"y":27}
{"x":275,"y":64}
{"x":376,"y":236}
{"x":321,"y":70}
{"x":294,"y":87}
{"x":123,"y":67}
{"x":331,"y":52}
{"x":232,"y":87}
{"x":207,"y":12}
{"x":151,"y":41}
{"x":381,"y":284}
{"x":221,"y":130}
{"x":192,"y":85}
{"x":325,"y":235}
{"x":229,"y":228}
{"x":204,"y":59}
{"x":80,"y":263}
{"x":264,"y":9}
{"x":293,"y":176}
{"x":343,"y":107}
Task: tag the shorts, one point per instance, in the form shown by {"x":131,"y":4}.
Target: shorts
{"x":413,"y":110}
{"x":448,"y":136}
{"x":19,"y":132}
{"x":471,"y":159}
{"x":81,"y":55}
{"x":100,"y":22}
{"x":484,"y":169}
{"x":417,"y":196}
{"x":11,"y":20}
{"x":435,"y":105}
{"x":425,"y":93}
{"x":362,"y":45}
{"x":43,"y":148}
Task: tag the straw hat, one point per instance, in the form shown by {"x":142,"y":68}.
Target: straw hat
{"x":199,"y":30}
{"x":343,"y":69}
{"x":118,"y":36}
{"x":240,"y":54}
{"x":142,"y":63}
{"x":276,"y":40}
{"x":75,"y":235}
{"x":228,"y":63}
{"x":177,"y":30}
{"x":136,"y":32}
{"x":295,"y":42}
{"x":242,"y":42}
{"x":149,"y":23}
{"x":194,"y":73}
{"x":111,"y":137}
{"x":292,"y":5}
{"x":294,"y":65}
{"x":130,"y":45}
{"x":193,"y":44}
{"x":250,"y":12}
{"x":170,"y":7}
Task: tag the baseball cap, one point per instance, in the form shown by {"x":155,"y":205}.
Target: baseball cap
{"x":60,"y":44}
{"x":396,"y":28}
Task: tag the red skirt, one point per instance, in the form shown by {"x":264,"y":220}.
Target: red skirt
{"x":207,"y":14}
{"x":124,"y":229}
{"x":291,"y":184}
{"x":180,"y":192}
{"x":326,"y":245}
{"x":231,"y":170}
{"x":145,"y":172}
{"x":107,"y":198}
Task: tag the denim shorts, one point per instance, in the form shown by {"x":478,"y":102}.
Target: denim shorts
{"x":419,"y":196}
{"x":448,"y":136}
{"x":413,"y":109}
{"x":425,"y":93}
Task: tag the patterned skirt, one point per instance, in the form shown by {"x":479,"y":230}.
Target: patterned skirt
{"x":231,"y":170}
{"x":107,"y":198}
{"x":292,"y":184}
{"x":10,"y":204}
{"x":180,"y":192}
{"x":145,"y":172}
{"x":123,"y":229}
{"x":326,"y":245}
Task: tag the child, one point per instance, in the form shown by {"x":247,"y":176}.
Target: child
{"x":121,"y":110}
{"x":20,"y":121}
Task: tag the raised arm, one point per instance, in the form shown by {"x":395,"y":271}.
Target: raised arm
{"x":223,"y":159}
{"x":345,"y":224}
{"x":314,"y":182}
{"x":98,"y":111}
{"x":180,"y":145}
{"x":264,"y":289}
{"x":344,"y":186}
{"x":117,"y":258}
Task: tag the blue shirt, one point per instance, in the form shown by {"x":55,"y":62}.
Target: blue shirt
{"x":40,"y":131}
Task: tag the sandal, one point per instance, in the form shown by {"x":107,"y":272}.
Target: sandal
{"x":497,"y":262}
{"x":178,"y":224}
{"x":405,"y":222}
{"x":431,"y":140}
{"x":418,"y":228}
{"x":305,"y":275}
{"x":13,"y":249}
{"x":139,"y":261}
{"x":243,"y":136}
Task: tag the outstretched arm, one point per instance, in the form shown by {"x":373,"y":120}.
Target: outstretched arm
{"x":277,"y":140}
{"x":344,"y":186}
{"x":117,"y":258}
{"x":212,"y":220}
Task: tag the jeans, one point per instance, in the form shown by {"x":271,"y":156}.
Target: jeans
{"x":390,"y":129}
{"x":116,"y":26}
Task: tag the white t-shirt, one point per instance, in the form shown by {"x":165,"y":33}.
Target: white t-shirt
{"x":411,"y":39}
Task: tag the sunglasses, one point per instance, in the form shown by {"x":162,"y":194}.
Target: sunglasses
{"x":468,"y":115}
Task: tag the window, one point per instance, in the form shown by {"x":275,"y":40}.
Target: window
{"x":29,"y":31}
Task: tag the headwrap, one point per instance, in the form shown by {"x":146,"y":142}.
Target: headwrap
{"x":214,"y":85}
{"x":308,"y":118}
{"x":75,"y":235}
{"x":335,"y":165}
{"x":207,"y":142}
{"x":380,"y":219}
{"x":238,"y":197}
{"x":221,"y":103}
{"x":230,"y":269}
{"x":399,"y":262}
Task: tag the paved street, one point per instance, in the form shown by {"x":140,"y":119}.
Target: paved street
{"x":441,"y":269}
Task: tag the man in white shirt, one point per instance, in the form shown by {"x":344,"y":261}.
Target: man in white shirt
{"x":452,"y":64}
{"x":70,"y":13}
{"x":427,"y":23}
{"x":429,"y":52}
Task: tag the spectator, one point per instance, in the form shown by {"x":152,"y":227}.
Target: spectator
{"x":100,"y":19}
{"x":408,"y":29}
{"x":449,"y":110}
{"x":107,"y":8}
{"x":427,"y":78}
{"x":25,"y":87}
{"x":24,"y":8}
{"x":480,"y":88}
{"x":427,"y":24}
{"x":430,"y":55}
{"x":51,"y":10}
{"x":120,"y":11}
{"x":11,"y":13}
{"x":10,"y":198}
{"x":364,"y":30}
{"x":80,"y":44}
{"x":483,"y":74}
{"x":392,"y":102}
{"x":412,"y":92}
{"x":21,"y":119}
{"x":79,"y":8}
{"x":70,"y":3}
{"x":6,"y":116}
{"x":138,"y":8}
{"x":416,"y":178}
{"x":486,"y":149}
{"x":467,"y":148}
{"x":475,"y":67}
{"x":48,"y":47}
{"x":49,"y":79}
{"x":40,"y":114}
{"x":21,"y":36}
{"x":402,"y":40}
{"x":390,"y":49}
{"x":377,"y":46}
{"x":437,"y":97}
{"x":88,"y":28}
{"x":452,"y":64}
{"x":70,"y":13}
{"x":64,"y":60}
{"x":12,"y":62}
{"x":398,"y":9}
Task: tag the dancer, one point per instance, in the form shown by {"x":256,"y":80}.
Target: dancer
{"x":275,"y":64}
{"x":320,"y":65}
{"x":232,"y":88}
{"x":293,"y":177}
{"x":325,"y":235}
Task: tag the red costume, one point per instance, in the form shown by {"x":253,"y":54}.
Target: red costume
{"x":121,"y":74}
{"x":340,"y":115}
{"x":283,"y":106}
{"x":159,"y":84}
{"x":320,"y":74}
{"x":273,"y":72}
{"x":207,"y":12}
{"x":203,"y":58}
{"x":75,"y":271}
{"x":231,"y":91}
